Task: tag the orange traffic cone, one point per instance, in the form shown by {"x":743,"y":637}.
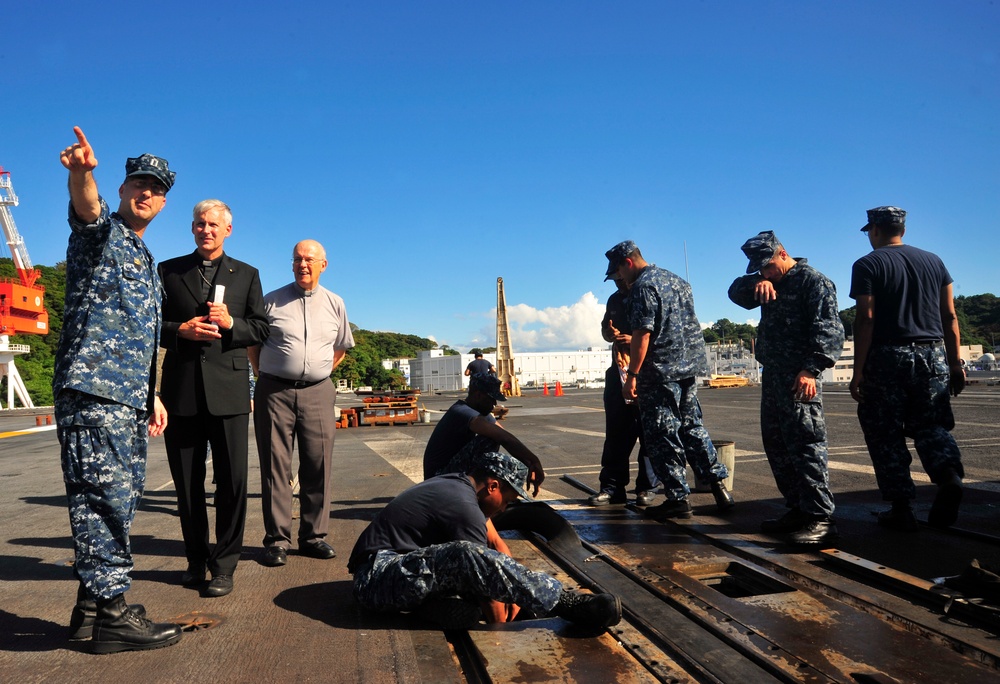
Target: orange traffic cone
{"x":545,"y":389}
{"x":559,"y":391}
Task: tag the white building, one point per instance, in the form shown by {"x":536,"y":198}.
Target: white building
{"x":733,"y":359}
{"x":402,"y":365}
{"x":434,"y":371}
{"x":844,"y":370}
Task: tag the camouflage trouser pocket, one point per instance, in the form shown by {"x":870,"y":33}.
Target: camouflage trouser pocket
{"x":96,"y":437}
{"x":808,"y":422}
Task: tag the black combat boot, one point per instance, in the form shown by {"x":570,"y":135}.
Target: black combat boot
{"x":792,"y":521}
{"x":680,"y":509}
{"x":119,"y":628}
{"x":900,"y":517}
{"x":723,"y":499}
{"x":81,"y":620}
{"x":944,"y":510}
{"x":594,"y":611}
{"x":820,"y":531}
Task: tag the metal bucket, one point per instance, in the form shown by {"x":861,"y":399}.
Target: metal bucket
{"x":727,"y":455}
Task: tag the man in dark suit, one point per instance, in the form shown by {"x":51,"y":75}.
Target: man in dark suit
{"x":213,"y":310}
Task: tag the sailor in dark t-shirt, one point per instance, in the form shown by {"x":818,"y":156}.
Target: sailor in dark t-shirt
{"x":469,"y":428}
{"x":906,"y":363}
{"x":480,"y":365}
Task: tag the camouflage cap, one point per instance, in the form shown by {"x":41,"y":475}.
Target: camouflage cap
{"x":150,"y":165}
{"x":760,"y":250}
{"x":616,"y":255}
{"x":487,"y":383}
{"x":505,"y":468}
{"x":884,"y":215}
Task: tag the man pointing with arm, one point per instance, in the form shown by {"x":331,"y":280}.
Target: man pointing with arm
{"x":103,"y":383}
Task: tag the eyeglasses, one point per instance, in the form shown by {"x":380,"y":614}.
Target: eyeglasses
{"x":309,"y":261}
{"x":143,"y":184}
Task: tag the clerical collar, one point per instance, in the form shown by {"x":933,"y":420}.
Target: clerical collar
{"x":206,"y":263}
{"x":306,"y":293}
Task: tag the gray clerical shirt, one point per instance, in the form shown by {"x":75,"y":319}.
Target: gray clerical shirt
{"x":307,"y":327}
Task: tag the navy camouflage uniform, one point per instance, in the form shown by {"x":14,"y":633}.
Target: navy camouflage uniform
{"x":906,"y":395}
{"x":800,"y":330}
{"x":662,"y":302}
{"x":103,"y":392}
{"x":430,"y":542}
{"x":391,"y":582}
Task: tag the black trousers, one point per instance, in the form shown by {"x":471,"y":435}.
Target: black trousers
{"x":187,"y":439}
{"x":621,"y":430}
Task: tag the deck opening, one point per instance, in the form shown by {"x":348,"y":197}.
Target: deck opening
{"x":735,"y":580}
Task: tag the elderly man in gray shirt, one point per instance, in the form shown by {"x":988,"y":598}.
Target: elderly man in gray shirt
{"x":294,"y":402}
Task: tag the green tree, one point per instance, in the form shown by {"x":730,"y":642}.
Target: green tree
{"x":362,"y":365}
{"x":847,"y":317}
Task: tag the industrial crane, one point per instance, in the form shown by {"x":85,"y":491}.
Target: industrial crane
{"x":505,"y":354}
{"x":22,"y":308}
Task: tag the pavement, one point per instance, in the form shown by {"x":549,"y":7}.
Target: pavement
{"x":300,"y":623}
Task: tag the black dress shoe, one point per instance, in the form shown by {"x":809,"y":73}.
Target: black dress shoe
{"x":318,"y":549}
{"x":274,"y":556}
{"x":606,"y":497}
{"x":723,"y":499}
{"x":219,"y":586}
{"x":194,"y":576}
{"x":818,"y":532}
{"x":645,"y":498}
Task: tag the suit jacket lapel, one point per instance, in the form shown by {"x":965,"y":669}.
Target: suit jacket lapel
{"x":192,"y":277}
{"x":226,"y":273}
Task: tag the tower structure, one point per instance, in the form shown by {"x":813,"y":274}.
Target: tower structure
{"x":505,"y":355}
{"x":22,"y":308}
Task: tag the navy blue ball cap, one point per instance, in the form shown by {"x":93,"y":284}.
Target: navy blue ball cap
{"x":487,"y":383}
{"x":880,"y":216}
{"x":505,"y":468}
{"x":616,"y":255}
{"x":760,"y":250}
{"x":150,"y":165}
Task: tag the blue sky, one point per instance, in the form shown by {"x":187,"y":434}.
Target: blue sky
{"x":434,"y":146}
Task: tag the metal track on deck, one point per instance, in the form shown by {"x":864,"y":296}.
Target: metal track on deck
{"x":694,"y":611}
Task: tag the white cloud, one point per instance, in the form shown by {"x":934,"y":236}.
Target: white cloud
{"x":558,"y":328}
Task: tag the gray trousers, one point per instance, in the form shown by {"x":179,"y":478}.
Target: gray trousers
{"x":283,"y":417}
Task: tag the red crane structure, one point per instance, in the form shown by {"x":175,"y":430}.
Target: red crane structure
{"x":22,"y":307}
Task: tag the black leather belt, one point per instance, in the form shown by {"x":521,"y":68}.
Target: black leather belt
{"x":921,"y":343}
{"x":297,"y":384}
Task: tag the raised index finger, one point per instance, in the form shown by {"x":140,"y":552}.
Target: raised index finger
{"x":81,"y":138}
